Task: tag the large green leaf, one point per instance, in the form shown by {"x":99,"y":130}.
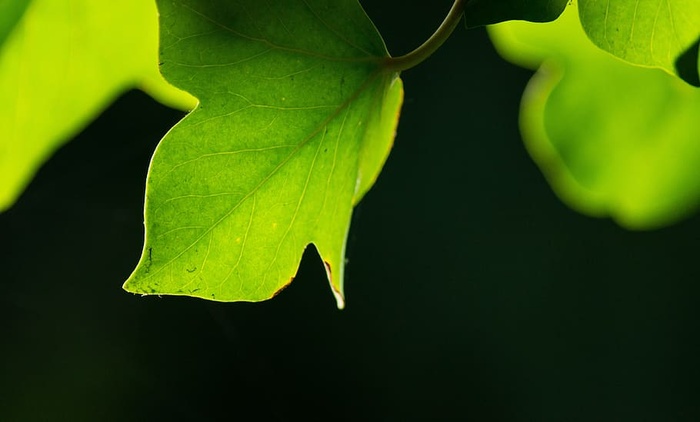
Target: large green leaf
{"x":658,"y":33}
{"x":486,"y":12}
{"x":296,"y":118}
{"x":61,"y":65}
{"x":612,"y":138}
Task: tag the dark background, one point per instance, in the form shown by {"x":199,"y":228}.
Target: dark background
{"x":473,"y":293}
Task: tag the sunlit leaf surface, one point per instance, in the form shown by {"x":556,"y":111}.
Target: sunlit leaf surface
{"x":613,"y":139}
{"x":295,"y":121}
{"x":60,"y":66}
{"x":658,"y":33}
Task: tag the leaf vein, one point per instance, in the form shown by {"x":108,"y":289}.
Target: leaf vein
{"x":369,"y":58}
{"x":370,"y":78}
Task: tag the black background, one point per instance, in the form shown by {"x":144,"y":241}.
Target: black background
{"x":473,"y":293}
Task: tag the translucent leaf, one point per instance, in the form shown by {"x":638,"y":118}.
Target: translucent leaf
{"x":612,"y":138}
{"x":656,"y":33}
{"x":295,"y":121}
{"x":62,"y":64}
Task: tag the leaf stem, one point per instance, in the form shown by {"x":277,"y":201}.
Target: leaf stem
{"x":417,"y":56}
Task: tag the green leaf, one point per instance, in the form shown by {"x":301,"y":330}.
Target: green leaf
{"x":486,"y":12}
{"x":296,"y":118}
{"x":657,"y":33}
{"x":63,"y":63}
{"x":10,"y":13}
{"x":612,"y":138}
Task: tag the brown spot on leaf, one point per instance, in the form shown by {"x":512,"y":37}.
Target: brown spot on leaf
{"x":339,"y":298}
{"x":283,"y":287}
{"x":149,"y":260}
{"x":329,"y":273}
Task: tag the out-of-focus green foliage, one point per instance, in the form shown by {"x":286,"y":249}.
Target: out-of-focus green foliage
{"x":11,"y":12}
{"x":63,"y":62}
{"x":486,"y":12}
{"x":612,"y":138}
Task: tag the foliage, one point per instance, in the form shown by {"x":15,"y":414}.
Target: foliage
{"x":613,"y":139}
{"x":664,"y":34}
{"x":298,"y":103}
{"x":63,"y":63}
{"x":296,"y":118}
{"x":10,"y":13}
{"x":485,"y":12}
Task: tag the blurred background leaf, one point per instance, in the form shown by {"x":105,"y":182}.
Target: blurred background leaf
{"x":11,"y":12}
{"x":63,"y":63}
{"x":613,"y":139}
{"x":486,"y":12}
